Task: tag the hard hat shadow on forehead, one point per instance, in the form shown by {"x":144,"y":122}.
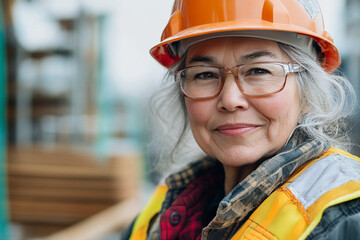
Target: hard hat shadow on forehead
{"x":285,"y":21}
{"x":305,"y":43}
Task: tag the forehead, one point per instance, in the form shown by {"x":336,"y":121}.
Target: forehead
{"x":237,"y":47}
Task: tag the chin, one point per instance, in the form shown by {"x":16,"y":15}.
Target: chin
{"x":245,"y":156}
{"x":239,"y":159}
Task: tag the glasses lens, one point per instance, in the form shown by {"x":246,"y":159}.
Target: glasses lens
{"x":261,"y":78}
{"x":200,"y":81}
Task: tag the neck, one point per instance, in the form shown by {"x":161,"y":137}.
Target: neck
{"x":234,"y":175}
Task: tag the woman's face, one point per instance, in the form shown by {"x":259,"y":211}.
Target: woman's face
{"x":233,"y":128}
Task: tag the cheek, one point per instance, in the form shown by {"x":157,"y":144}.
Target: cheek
{"x":282,"y":112}
{"x":198,"y":112}
{"x":284,"y":108}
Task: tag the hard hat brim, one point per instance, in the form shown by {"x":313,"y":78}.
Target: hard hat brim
{"x":163,"y":55}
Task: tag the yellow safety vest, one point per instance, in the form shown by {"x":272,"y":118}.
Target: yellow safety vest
{"x":294,"y":209}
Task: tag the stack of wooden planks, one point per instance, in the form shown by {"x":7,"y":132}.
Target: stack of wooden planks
{"x":53,"y":189}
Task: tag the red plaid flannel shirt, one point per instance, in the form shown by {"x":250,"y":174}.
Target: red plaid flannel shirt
{"x":192,"y":210}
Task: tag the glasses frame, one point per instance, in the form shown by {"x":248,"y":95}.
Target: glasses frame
{"x":288,"y":68}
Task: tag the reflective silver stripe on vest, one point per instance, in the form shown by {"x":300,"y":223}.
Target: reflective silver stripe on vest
{"x":324,"y":175}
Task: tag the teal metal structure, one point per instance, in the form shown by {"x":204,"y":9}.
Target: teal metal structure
{"x":4,"y":226}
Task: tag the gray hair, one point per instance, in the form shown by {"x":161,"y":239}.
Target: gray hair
{"x":327,"y":100}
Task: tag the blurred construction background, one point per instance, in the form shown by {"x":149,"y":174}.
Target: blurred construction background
{"x":76,"y":78}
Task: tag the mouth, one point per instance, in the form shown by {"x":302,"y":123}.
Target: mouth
{"x":236,"y":129}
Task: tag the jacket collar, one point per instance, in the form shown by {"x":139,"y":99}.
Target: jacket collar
{"x":252,"y":191}
{"x":236,"y":207}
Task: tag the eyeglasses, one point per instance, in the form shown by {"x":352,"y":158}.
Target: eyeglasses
{"x":254,"y":79}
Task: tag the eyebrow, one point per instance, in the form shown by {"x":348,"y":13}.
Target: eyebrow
{"x":258,"y":54}
{"x":248,"y":57}
{"x":205,"y":59}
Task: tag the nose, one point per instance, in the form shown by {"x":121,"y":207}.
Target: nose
{"x":231,"y":98}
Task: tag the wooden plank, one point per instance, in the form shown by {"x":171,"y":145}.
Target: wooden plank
{"x":71,"y":183}
{"x":80,"y":188}
{"x":53,"y":212}
{"x":39,"y":230}
{"x":63,"y":194}
{"x":62,"y":155}
{"x":43,"y":170}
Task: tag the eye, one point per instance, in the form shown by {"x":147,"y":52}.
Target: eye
{"x":257,"y":71}
{"x":206,"y":76}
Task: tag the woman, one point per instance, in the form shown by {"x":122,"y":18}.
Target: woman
{"x":256,"y":90}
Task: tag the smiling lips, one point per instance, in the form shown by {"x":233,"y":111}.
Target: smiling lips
{"x":236,"y":129}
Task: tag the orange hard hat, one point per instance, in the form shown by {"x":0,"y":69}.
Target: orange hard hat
{"x":194,"y":18}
